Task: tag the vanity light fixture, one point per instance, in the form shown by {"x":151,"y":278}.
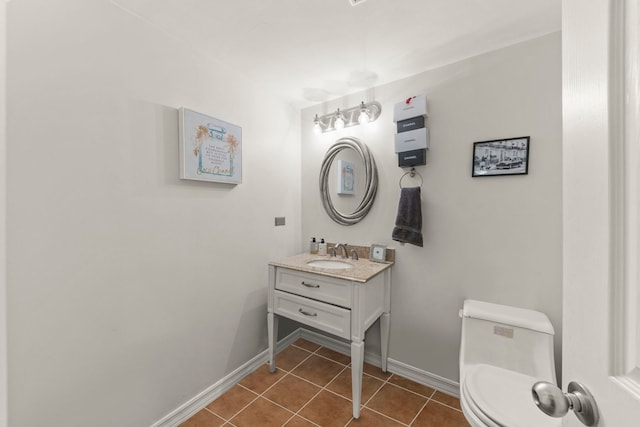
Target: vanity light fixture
{"x":364,"y":113}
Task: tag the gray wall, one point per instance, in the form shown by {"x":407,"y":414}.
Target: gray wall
{"x":494,"y":239}
{"x":129,"y":290}
{"x":3,"y":220}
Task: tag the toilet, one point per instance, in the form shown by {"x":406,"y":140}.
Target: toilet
{"x":503,"y":352}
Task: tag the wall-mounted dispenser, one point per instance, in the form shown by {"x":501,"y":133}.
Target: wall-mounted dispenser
{"x":412,"y":137}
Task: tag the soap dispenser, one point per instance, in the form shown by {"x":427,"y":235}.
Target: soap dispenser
{"x":322,"y":248}
{"x":313,"y":247}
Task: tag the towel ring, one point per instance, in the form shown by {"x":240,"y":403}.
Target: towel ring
{"x":413,"y":172}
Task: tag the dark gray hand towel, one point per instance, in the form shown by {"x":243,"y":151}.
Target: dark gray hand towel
{"x":408,"y":227}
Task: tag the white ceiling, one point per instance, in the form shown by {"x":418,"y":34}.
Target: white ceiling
{"x":314,"y":50}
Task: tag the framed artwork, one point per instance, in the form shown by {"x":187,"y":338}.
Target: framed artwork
{"x":378,"y":253}
{"x":346,"y":177}
{"x":501,"y":157}
{"x":210,"y":149}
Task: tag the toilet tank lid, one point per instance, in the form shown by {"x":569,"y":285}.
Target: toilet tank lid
{"x":519,"y":317}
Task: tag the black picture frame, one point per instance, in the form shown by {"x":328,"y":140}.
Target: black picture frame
{"x":499,"y":157}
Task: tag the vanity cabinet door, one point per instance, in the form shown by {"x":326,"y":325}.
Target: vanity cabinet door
{"x":326,"y":317}
{"x":333,"y":291}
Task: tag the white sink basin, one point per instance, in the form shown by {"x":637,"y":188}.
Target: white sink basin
{"x":330,"y":264}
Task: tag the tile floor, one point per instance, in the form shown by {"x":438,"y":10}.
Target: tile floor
{"x":312,"y":387}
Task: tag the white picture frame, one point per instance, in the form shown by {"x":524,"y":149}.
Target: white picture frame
{"x":378,"y":253}
{"x":210,"y":149}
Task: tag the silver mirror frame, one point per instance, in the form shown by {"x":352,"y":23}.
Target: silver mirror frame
{"x":371,"y":181}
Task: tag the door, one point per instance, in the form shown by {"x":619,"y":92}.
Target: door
{"x":601,"y":206}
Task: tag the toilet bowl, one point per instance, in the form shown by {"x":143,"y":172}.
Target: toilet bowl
{"x":503,"y":352}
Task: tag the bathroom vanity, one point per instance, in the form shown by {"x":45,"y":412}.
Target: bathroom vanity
{"x":342,"y":297}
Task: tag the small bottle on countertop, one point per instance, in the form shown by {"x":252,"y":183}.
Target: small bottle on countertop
{"x":313,"y":247}
{"x":322,"y":248}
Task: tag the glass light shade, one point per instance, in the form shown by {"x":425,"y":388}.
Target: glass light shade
{"x":363,"y":118}
{"x":339,"y":121}
{"x":317,"y":128}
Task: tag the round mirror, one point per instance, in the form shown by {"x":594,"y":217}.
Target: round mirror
{"x":354,"y":179}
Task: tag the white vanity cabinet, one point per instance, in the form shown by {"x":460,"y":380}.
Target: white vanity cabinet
{"x":341,"y":303}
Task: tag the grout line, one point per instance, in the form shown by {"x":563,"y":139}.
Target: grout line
{"x":384,"y":382}
{"x":448,"y":406}
{"x":274,"y":384}
{"x":323,"y":388}
{"x":332,"y":360}
{"x":411,"y":391}
{"x":363,"y":405}
{"x":374,"y":393}
{"x":420,"y":411}
{"x":211,"y":412}
{"x":293,"y":414}
{"x":241,"y":409}
{"x":389,"y":417}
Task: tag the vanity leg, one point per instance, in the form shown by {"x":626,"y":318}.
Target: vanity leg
{"x":384,"y":340}
{"x":272,"y":333}
{"x":357,"y":361}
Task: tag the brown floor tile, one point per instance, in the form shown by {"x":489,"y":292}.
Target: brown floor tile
{"x":375,"y":371}
{"x":227,"y":405}
{"x":318,"y":370}
{"x":292,"y":393}
{"x":334,"y":355}
{"x":369,"y":418}
{"x":290,"y":357}
{"x":261,"y":413}
{"x":342,"y":385}
{"x":299,"y":422}
{"x":261,"y":379}
{"x":328,"y":410}
{"x":411,"y":385}
{"x":307,"y":345}
{"x":397,"y":403}
{"x":400,"y":400}
{"x":437,"y":415}
{"x":447,"y":400}
{"x":203,"y":418}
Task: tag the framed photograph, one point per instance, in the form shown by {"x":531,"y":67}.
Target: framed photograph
{"x":501,"y":157}
{"x":378,"y":253}
{"x":210,"y":149}
{"x":346,"y":177}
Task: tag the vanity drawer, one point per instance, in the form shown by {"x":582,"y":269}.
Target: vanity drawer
{"x":320,"y":288}
{"x":326,"y":317}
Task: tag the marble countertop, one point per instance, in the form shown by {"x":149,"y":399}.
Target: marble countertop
{"x":363,"y":269}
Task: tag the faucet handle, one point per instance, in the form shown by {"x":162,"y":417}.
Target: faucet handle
{"x":332,"y":251}
{"x":354,"y":255}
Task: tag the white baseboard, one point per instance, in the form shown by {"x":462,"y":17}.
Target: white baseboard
{"x":202,"y":399}
{"x":211,"y":393}
{"x":445,"y":385}
{"x":437,"y":382}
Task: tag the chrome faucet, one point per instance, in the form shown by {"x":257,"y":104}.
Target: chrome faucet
{"x":354,"y":255}
{"x":343,"y":250}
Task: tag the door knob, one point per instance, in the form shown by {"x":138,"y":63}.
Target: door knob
{"x":553,"y":402}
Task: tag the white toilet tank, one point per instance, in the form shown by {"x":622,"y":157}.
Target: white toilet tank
{"x":513,"y":338}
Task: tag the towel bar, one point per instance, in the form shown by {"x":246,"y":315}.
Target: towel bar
{"x":411,"y":173}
